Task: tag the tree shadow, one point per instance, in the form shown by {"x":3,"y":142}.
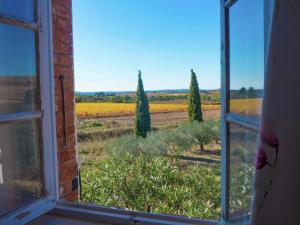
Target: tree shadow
{"x":207,"y":152}
{"x":196,"y":159}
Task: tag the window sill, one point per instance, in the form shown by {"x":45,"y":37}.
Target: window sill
{"x":106,"y":215}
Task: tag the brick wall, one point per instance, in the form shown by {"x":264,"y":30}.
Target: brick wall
{"x":63,"y":65}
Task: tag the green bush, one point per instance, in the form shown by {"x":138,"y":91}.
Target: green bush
{"x":241,"y":187}
{"x":122,"y":145}
{"x":153,"y":183}
{"x":215,"y":127}
{"x":168,"y":142}
{"x":200,"y":133}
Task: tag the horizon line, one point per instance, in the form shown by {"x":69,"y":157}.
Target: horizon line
{"x":175,"y":89}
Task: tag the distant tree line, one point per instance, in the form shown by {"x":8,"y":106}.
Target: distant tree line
{"x":251,"y":92}
{"x":113,"y":98}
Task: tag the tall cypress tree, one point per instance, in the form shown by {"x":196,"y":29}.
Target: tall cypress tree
{"x":142,"y":115}
{"x":195,"y":112}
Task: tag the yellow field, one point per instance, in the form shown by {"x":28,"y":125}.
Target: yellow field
{"x":250,"y":106}
{"x":86,"y":110}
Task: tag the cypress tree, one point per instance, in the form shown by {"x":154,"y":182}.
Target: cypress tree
{"x":142,"y":115}
{"x":195,"y":112}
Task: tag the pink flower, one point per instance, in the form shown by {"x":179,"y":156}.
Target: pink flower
{"x":261,"y":159}
{"x":270,"y":140}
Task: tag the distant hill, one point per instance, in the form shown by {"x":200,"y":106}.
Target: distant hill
{"x":148,"y":91}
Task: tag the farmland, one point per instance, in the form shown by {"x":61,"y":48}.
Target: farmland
{"x":104,"y":109}
{"x":251,"y":106}
{"x":170,"y":175}
{"x":100,"y":110}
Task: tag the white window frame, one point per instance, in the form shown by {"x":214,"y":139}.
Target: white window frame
{"x":43,"y":26}
{"x":226,"y":116}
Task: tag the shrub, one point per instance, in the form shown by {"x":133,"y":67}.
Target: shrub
{"x":171,"y":142}
{"x":122,"y":145}
{"x":241,"y":183}
{"x":200,"y":133}
{"x":216,"y":130}
{"x":152,"y":183}
{"x":154,"y":143}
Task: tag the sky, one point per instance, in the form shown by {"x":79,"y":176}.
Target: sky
{"x":113,"y":39}
{"x":246,"y":44}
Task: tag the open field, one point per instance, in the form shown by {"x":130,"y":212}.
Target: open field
{"x":98,"y":110}
{"x":94,"y":133}
{"x":249,"y":106}
{"x":104,"y":110}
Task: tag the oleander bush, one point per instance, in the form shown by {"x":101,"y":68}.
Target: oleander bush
{"x":154,"y":184}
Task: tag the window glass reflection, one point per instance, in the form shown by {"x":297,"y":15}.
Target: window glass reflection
{"x":23,"y":9}
{"x":18,"y":80}
{"x":20,"y":162}
{"x":246,"y":57}
{"x":242,"y":163}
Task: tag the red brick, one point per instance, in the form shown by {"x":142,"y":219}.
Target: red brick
{"x":68,"y":169}
{"x":70,"y":130}
{"x":71,"y":140}
{"x":62,"y":48}
{"x":67,"y":71}
{"x":63,"y":65}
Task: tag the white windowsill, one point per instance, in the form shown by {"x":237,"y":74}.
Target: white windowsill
{"x":106,"y":215}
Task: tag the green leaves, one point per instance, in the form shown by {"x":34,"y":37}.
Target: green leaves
{"x":146,"y":174}
{"x":153,"y":183}
{"x":200,"y":133}
{"x":142,"y":115}
{"x":194,"y":108}
{"x":168,"y":142}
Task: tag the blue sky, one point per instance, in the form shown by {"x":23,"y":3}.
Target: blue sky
{"x":113,"y":39}
{"x":246,"y":44}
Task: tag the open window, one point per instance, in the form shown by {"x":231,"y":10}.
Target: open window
{"x":28,"y":168}
{"x":242,"y":88}
{"x":27,"y":144}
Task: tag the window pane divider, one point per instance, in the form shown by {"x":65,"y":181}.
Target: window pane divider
{"x":242,"y":120}
{"x":229,"y":3}
{"x":10,"y":20}
{"x":224,"y":110}
{"x":22,"y":116}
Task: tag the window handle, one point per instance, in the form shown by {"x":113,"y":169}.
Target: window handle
{"x":63,"y":102}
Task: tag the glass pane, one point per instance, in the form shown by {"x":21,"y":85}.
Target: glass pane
{"x":20,"y":164}
{"x":23,"y":9}
{"x":242,"y":163}
{"x":18,"y":79}
{"x":246,"y":57}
